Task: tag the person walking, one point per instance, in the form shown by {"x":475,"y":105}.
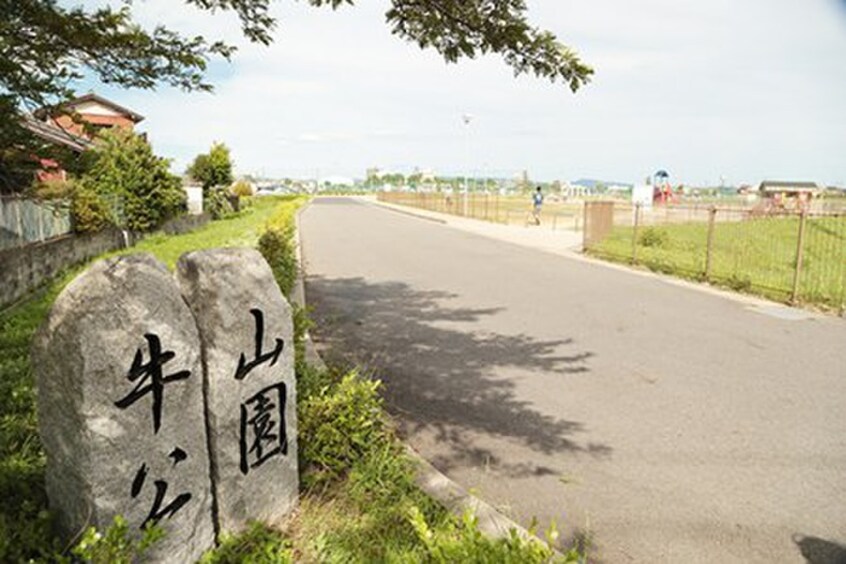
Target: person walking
{"x":537,"y":200}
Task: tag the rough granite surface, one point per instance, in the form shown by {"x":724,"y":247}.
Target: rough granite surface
{"x":246,"y":329}
{"x":123,"y":430}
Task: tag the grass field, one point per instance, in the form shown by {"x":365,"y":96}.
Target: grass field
{"x":757,"y":256}
{"x":243,"y":230}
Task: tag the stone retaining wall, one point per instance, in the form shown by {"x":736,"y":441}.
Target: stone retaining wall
{"x":26,"y":268}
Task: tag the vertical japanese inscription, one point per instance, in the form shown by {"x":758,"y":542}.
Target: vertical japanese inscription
{"x":157,"y":512}
{"x":262,"y":430}
{"x":246,"y":328}
{"x":263,"y":433}
{"x":150,"y":379}
{"x":259,"y":358}
{"x":120,"y":407}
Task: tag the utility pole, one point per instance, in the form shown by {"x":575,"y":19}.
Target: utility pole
{"x":466,"y":118}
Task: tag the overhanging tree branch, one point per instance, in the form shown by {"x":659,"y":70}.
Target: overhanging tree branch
{"x":45,"y":48}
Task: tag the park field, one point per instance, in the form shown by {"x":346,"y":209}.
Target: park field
{"x":754,"y":255}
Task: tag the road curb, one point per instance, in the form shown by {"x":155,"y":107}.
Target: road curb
{"x":432,"y":481}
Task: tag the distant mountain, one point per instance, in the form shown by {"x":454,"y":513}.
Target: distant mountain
{"x":592,"y":182}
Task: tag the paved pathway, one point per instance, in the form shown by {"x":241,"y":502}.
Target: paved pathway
{"x":668,"y":423}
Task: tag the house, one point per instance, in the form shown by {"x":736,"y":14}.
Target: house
{"x":789,"y":189}
{"x":74,"y":124}
{"x":86,"y":115}
{"x":777,"y":193}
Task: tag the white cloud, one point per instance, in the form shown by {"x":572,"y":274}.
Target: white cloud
{"x":744,"y":89}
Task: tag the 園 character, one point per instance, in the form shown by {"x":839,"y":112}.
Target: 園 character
{"x":157,"y":512}
{"x":245,"y":367}
{"x":150,"y":378}
{"x":263,"y":433}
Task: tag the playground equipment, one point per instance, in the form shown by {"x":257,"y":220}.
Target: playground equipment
{"x":662,"y":191}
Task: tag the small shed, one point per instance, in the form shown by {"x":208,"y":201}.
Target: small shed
{"x":789,"y":189}
{"x":780,"y":194}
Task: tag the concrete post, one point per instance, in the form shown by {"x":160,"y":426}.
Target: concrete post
{"x":634,"y":232}
{"x":712,"y":215}
{"x":797,"y":273}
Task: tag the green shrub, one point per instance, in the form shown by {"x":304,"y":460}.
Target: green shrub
{"x":242,"y":189}
{"x":653,"y":237}
{"x":384,"y":477}
{"x":302,"y":325}
{"x":218,"y":204}
{"x":123,"y":167}
{"x":463,"y":542}
{"x":116,"y":545}
{"x":339,"y":423}
{"x":258,"y":545}
{"x":277,"y":247}
{"x":52,"y":189}
{"x":89,"y":211}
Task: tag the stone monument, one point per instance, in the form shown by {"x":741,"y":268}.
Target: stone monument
{"x":246,"y":331}
{"x":120,"y":405}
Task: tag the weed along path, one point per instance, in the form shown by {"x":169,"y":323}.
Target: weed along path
{"x":668,"y":424}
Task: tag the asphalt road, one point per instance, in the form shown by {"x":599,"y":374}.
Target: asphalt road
{"x":667,"y":424}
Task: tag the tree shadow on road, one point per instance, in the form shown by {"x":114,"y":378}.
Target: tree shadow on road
{"x":443,"y":378}
{"x":820,"y":551}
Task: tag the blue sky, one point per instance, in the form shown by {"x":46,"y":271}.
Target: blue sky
{"x":704,"y":89}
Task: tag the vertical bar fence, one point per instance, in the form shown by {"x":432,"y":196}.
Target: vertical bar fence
{"x":557,"y":215}
{"x":24,"y":221}
{"x":793,"y":256}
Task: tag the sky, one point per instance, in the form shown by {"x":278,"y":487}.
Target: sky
{"x":711,"y":91}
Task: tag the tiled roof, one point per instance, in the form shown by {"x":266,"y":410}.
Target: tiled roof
{"x":54,"y":134}
{"x":91,"y":97}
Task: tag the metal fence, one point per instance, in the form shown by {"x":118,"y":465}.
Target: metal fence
{"x":25,"y":221}
{"x":489,"y":206}
{"x":795,"y":256}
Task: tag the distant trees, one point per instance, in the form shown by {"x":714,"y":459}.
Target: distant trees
{"x":414,"y":180}
{"x":212,"y":169}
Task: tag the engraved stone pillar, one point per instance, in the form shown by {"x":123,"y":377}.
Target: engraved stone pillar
{"x":120,"y":405}
{"x":246,"y":330}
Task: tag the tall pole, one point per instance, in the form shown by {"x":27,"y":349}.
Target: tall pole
{"x":466,"y":118}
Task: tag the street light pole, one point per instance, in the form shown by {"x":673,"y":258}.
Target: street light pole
{"x":466,"y":118}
